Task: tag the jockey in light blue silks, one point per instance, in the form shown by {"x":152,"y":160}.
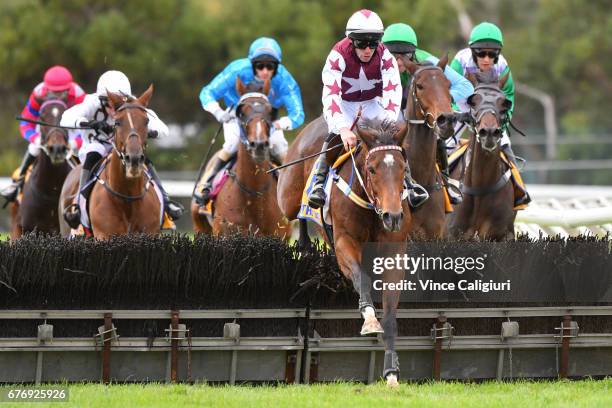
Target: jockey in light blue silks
{"x":263,"y":62}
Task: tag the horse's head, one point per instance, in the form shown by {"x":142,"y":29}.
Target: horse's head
{"x":488,"y":106}
{"x":131,"y":130}
{"x":384,"y":169}
{"x":254,"y":112}
{"x":54,"y":141}
{"x":429,"y":97}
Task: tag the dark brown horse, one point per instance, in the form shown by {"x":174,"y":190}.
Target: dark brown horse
{"x":380,"y":162}
{"x":37,"y":210}
{"x":430,"y":121}
{"x":247,"y":201}
{"x":488,"y":194}
{"x":123,"y":199}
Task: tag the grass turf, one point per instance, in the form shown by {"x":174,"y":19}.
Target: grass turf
{"x":587,"y":393}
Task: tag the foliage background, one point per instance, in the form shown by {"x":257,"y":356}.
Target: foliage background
{"x":560,"y":46}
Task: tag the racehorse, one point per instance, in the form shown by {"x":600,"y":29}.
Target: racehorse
{"x":246,"y":203}
{"x":123,"y":199}
{"x":430,"y":121}
{"x":37,"y":210}
{"x":383,"y":217}
{"x":487,"y":208}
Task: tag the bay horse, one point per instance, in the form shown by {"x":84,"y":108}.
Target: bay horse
{"x":37,"y":209}
{"x":246,"y":203}
{"x":487,"y":210}
{"x":430,"y":120}
{"x":381,"y":163}
{"x":123,"y":199}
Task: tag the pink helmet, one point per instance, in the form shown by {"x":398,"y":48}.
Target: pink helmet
{"x":58,"y":78}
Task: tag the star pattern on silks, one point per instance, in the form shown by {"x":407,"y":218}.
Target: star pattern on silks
{"x":334,"y":88}
{"x":334,"y":108}
{"x":362,"y":83}
{"x":391,"y":106}
{"x":390,"y":86}
{"x":335,"y":65}
{"x":387,"y":63}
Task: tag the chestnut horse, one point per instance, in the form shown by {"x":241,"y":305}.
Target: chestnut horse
{"x":487,"y":210}
{"x":37,"y":210}
{"x":430,"y":120}
{"x":247,"y":201}
{"x":123,"y":199}
{"x":381,"y":165}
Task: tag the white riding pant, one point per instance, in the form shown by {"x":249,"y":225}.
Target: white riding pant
{"x":102,"y":149}
{"x":231,"y":133}
{"x":371,"y":109}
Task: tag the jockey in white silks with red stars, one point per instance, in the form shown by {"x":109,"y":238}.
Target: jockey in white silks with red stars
{"x":359,"y":73}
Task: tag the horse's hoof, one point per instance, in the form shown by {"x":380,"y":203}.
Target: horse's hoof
{"x":392,"y":381}
{"x":371,"y":327}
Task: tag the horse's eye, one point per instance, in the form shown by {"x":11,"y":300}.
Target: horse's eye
{"x":371,"y":170}
{"x":419,"y":87}
{"x":117,"y":123}
{"x":147,"y":121}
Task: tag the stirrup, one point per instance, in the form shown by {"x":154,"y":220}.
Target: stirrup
{"x":417,"y":195}
{"x":72,"y":215}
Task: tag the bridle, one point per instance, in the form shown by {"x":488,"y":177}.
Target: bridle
{"x":131,"y":133}
{"x":259,"y":111}
{"x":45,"y":135}
{"x":425,"y":115}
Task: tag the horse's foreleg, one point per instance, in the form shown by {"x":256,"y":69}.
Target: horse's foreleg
{"x":348,"y":253}
{"x":304,"y":243}
{"x":391,"y":363}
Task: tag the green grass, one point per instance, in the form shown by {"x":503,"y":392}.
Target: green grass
{"x":587,"y":393}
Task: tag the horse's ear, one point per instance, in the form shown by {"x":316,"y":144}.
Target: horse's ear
{"x":240,"y":88}
{"x":266,"y":87}
{"x":115,"y":100}
{"x":411,"y":66}
{"x":146,"y":96}
{"x":503,"y":80}
{"x":402,"y":129}
{"x":443,"y":61}
{"x":472,"y":78}
{"x":474,"y":99}
{"x":366,"y":134}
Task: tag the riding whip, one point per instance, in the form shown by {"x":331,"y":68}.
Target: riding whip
{"x":212,"y":142}
{"x":39,"y":122}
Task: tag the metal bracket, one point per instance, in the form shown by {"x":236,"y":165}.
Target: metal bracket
{"x":99,"y":338}
{"x":509,"y":329}
{"x":45,"y":333}
{"x":181,"y":330}
{"x":573,"y":330}
{"x":231,"y":331}
{"x":441,"y":333}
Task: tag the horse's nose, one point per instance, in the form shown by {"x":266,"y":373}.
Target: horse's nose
{"x":392,"y":221}
{"x":446,"y":119}
{"x":259,"y":146}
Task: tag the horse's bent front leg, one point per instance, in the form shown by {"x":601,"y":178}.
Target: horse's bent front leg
{"x":348,"y":253}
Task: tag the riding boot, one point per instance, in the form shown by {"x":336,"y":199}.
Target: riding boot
{"x":417,"y":194}
{"x":521,"y":196}
{"x":203,"y":195}
{"x":72,"y":213}
{"x":454,"y":193}
{"x":173,"y":208}
{"x":10,"y":192}
{"x":317,"y":197}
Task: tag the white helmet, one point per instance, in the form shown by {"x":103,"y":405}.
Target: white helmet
{"x":115,"y":82}
{"x":365,"y":22}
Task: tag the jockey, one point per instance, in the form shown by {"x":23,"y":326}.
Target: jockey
{"x":57,"y":84}
{"x":359,"y":72}
{"x":96,"y":112}
{"x":263,"y":63}
{"x":484,"y":53}
{"x":401,"y":40}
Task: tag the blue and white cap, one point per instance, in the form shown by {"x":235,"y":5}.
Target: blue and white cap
{"x":265,"y":46}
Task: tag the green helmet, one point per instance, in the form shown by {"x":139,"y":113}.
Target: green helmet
{"x":400,"y":38}
{"x":486,"y":35}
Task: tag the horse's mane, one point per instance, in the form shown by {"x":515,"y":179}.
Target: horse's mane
{"x":385,"y":130}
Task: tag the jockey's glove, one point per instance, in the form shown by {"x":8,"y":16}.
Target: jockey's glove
{"x":152,"y":134}
{"x":98,"y":125}
{"x":283,"y":123}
